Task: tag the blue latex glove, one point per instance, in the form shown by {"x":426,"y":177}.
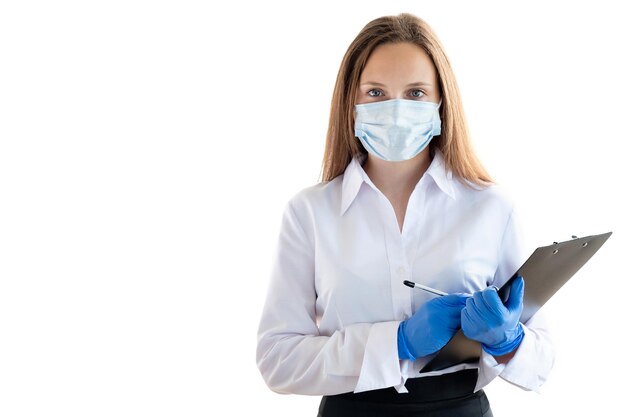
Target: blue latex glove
{"x":431,"y":327}
{"x":493,"y":323}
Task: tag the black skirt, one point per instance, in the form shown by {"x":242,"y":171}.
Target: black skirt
{"x":437,"y":396}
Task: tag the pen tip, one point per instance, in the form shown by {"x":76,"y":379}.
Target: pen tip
{"x":409,"y":284}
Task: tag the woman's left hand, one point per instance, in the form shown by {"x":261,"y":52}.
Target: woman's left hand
{"x":493,"y":323}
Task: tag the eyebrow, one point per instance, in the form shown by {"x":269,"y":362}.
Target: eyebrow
{"x":383,"y":85}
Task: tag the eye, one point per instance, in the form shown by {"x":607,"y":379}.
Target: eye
{"x":375,"y":92}
{"x":416,"y":93}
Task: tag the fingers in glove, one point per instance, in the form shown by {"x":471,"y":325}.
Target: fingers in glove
{"x":492,"y":302}
{"x":516,"y":298}
{"x":470,"y":315}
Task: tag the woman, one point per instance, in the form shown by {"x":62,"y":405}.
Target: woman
{"x":403,"y":197}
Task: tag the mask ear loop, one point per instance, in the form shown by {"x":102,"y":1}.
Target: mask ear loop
{"x":440,"y":102}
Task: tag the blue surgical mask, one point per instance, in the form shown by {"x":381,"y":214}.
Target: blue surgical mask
{"x":396,"y":130}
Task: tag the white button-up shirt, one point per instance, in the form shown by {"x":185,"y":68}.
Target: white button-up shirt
{"x":336,"y":294}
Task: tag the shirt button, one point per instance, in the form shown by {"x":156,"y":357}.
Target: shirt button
{"x":401,"y":271}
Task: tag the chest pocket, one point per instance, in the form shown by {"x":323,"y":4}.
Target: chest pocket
{"x":478,"y":274}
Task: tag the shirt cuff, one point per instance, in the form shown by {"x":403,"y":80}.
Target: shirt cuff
{"x":381,"y":364}
{"x":488,"y":369}
{"x":523,"y":370}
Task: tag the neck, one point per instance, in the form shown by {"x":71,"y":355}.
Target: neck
{"x":400,"y":177}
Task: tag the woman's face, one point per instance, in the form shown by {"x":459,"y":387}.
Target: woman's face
{"x":398,"y":70}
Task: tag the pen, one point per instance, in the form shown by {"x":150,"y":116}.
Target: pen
{"x":424,"y":287}
{"x":432,"y":290}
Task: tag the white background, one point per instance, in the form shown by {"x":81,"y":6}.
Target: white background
{"x":148,"y":149}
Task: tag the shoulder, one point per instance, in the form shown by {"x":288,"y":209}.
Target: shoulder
{"x":493,"y":198}
{"x":324,"y":195}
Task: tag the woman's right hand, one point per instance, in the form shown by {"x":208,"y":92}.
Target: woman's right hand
{"x":431,"y":327}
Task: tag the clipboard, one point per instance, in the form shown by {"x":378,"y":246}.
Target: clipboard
{"x":544,"y":272}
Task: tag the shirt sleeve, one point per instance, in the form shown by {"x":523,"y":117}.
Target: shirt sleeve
{"x":534,"y":358}
{"x":291,"y":354}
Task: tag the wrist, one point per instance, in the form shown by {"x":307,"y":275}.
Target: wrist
{"x":508,"y":345}
{"x":506,"y":358}
{"x":403,"y":349}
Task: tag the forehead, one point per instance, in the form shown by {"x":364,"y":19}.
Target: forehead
{"x":399,"y":61}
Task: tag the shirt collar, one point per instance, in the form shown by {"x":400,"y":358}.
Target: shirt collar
{"x":354,"y":176}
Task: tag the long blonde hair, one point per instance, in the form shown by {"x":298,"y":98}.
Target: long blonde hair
{"x":454,"y":141}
